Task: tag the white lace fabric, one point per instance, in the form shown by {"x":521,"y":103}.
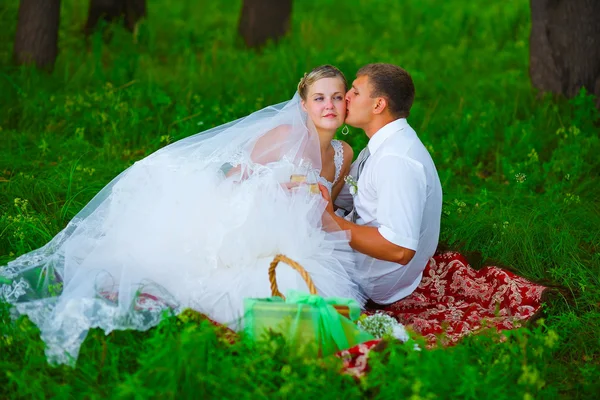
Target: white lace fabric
{"x":338,"y":160}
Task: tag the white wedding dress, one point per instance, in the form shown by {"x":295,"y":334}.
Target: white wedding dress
{"x":196,"y":225}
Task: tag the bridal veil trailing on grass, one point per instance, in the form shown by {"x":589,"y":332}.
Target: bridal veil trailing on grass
{"x":194,"y":224}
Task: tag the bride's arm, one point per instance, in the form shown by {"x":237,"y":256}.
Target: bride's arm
{"x":270,"y":147}
{"x":348,"y":155}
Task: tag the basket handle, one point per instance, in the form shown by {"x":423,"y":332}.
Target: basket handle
{"x":280,"y":257}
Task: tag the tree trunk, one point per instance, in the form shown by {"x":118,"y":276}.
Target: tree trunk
{"x":36,"y":39}
{"x":565,"y":46}
{"x":110,"y":10}
{"x":262,"y":20}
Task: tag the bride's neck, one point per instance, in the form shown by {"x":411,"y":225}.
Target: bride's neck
{"x":325,"y":138}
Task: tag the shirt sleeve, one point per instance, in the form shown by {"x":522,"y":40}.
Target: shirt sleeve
{"x":401,"y":192}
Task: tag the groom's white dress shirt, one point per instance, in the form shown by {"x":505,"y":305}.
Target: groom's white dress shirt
{"x":399,"y":192}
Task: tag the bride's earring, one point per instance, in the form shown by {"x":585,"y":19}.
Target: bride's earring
{"x":345,"y":130}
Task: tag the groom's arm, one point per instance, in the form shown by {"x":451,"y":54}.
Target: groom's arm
{"x":401,"y":192}
{"x":368,"y":240}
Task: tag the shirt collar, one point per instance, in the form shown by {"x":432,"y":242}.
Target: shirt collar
{"x":385,"y":132}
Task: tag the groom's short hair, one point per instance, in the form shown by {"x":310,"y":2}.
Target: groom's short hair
{"x":393,"y":83}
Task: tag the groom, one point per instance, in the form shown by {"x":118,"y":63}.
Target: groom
{"x":393,"y":212}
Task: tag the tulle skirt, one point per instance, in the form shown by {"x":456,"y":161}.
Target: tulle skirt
{"x":174,"y":234}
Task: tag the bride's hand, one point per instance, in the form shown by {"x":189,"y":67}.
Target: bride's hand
{"x":329,"y":219}
{"x":327,"y":197}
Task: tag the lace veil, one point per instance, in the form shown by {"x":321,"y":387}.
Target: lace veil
{"x":280,"y":135}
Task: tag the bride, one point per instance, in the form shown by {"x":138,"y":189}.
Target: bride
{"x":196,"y":224}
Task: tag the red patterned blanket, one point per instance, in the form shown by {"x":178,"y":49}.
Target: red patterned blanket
{"x":454,"y":300}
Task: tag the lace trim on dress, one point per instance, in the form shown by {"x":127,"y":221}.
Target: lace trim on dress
{"x":338,"y":161}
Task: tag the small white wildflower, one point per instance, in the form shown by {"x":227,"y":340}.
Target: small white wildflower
{"x":520,"y":177}
{"x":400,"y":333}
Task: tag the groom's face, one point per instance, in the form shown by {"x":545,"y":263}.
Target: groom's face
{"x":359,"y":103}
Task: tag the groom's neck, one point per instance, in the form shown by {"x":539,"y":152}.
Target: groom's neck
{"x":377,"y":123}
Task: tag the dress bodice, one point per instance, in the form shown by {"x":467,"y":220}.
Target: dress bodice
{"x":338,"y":161}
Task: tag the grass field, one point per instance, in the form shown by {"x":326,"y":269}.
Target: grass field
{"x":519,"y":174}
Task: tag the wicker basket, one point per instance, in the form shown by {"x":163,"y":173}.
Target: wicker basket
{"x":343,"y":310}
{"x":304,"y":325}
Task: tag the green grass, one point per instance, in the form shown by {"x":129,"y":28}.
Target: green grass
{"x":519,"y":174}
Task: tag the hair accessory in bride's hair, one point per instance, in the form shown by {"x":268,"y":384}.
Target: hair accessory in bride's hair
{"x":302,"y":83}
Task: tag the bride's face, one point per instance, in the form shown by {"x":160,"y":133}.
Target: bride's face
{"x":325,"y":103}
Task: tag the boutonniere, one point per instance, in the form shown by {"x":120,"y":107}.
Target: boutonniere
{"x":352,"y":183}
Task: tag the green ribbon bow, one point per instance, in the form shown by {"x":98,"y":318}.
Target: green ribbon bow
{"x":333,"y":331}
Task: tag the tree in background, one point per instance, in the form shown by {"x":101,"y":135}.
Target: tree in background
{"x":261,"y":20}
{"x":112,"y":10}
{"x":36,"y":39}
{"x":565,"y":46}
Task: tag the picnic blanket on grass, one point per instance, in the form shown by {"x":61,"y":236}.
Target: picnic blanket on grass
{"x":455,"y":300}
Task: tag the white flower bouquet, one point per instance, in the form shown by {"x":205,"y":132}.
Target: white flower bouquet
{"x":381,"y":325}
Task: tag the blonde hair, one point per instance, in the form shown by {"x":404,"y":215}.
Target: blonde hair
{"x":323,"y":71}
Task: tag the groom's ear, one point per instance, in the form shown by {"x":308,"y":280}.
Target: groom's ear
{"x":381,"y":104}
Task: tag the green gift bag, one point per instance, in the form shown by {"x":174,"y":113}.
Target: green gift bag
{"x":309,"y":322}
